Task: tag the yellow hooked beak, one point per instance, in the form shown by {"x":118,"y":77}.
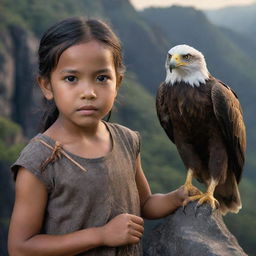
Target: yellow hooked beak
{"x":176,"y":61}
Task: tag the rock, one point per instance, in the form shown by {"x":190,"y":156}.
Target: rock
{"x":192,"y":232}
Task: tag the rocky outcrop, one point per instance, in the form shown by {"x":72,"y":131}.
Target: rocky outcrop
{"x":192,"y":233}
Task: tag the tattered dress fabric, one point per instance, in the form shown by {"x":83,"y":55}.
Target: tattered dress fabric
{"x":84,"y":193}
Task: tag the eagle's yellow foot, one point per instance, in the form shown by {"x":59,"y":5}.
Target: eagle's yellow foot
{"x":208,"y":196}
{"x":191,"y":190}
{"x":210,"y":199}
{"x":205,"y":198}
{"x":188,"y":187}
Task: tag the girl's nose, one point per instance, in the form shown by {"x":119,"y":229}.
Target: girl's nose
{"x":88,"y":94}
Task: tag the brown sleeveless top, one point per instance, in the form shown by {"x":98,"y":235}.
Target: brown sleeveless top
{"x":82,"y":192}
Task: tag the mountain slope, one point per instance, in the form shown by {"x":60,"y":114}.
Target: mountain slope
{"x":240,"y":19}
{"x":130,"y":26}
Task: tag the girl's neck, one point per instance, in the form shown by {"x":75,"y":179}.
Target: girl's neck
{"x":92,"y":142}
{"x":66,"y":132}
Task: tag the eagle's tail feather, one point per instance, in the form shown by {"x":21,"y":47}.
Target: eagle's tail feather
{"x":228,"y":195}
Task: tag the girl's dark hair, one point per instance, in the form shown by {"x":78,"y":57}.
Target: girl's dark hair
{"x":67,"y":33}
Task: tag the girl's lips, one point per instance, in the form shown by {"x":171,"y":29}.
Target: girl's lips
{"x":87,"y":110}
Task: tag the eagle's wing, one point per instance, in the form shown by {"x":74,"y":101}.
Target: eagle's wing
{"x":228,"y":112}
{"x":162,"y":110}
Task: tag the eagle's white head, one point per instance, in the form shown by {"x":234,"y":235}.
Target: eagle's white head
{"x":185,"y":63}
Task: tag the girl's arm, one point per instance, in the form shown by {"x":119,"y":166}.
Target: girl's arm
{"x":157,"y":205}
{"x":27,"y":218}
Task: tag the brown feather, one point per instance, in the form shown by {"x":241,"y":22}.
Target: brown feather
{"x":228,"y":112}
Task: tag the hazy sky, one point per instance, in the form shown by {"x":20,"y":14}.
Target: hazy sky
{"x":200,"y":4}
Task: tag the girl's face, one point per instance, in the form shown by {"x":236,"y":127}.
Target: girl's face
{"x":84,"y":83}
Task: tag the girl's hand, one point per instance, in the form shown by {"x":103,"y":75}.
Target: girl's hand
{"x":123,"y":229}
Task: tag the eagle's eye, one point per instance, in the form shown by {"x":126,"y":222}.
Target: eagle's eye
{"x":186,"y":56}
{"x":169,"y":56}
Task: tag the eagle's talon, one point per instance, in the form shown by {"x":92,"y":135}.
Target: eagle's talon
{"x":184,"y":205}
{"x":183,"y":209}
{"x":196,"y":208}
{"x":208,"y":198}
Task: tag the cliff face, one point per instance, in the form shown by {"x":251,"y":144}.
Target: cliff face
{"x":6,"y":73}
{"x":18,"y":93}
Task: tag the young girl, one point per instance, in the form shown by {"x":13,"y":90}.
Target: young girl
{"x":80,"y":188}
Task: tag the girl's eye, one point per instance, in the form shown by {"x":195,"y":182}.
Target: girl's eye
{"x":70,"y":79}
{"x":102,"y":78}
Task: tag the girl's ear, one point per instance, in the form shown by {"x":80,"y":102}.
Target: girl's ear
{"x":118,"y":83}
{"x":45,"y":87}
{"x":120,"y":80}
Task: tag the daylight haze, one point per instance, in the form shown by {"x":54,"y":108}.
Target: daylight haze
{"x":206,"y":4}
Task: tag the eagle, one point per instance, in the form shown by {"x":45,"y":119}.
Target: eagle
{"x":202,"y":116}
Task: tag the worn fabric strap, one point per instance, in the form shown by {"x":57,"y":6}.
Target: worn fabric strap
{"x":56,"y":154}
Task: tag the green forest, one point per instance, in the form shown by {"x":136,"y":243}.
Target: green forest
{"x":146,"y":37}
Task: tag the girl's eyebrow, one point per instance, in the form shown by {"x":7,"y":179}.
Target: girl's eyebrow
{"x":104,"y":70}
{"x":71,"y":71}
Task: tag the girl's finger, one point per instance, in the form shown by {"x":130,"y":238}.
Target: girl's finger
{"x":137,"y":227}
{"x":136,"y":233}
{"x":137,"y":219}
